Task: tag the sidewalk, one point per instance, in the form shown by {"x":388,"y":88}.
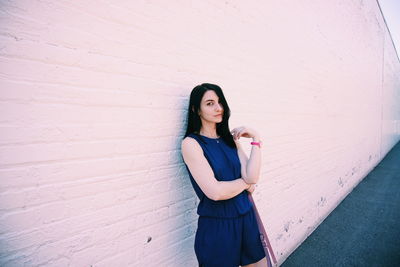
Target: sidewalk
{"x":364,"y":230}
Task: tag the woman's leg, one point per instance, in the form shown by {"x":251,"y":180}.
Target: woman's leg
{"x":218,"y":241}
{"x":252,"y":252}
{"x":260,"y":263}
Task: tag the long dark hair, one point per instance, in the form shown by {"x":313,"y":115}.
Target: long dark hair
{"x":194,"y":121}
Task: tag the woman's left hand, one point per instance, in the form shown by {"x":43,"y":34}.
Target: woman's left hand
{"x":245,"y":132}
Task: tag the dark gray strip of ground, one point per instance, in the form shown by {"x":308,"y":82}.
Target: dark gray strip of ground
{"x":364,"y":229}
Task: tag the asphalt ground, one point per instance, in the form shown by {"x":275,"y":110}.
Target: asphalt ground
{"x":364,"y":230}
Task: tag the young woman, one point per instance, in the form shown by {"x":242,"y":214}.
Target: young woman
{"x":222,"y":176}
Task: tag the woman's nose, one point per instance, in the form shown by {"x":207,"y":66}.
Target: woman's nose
{"x":220,"y":107}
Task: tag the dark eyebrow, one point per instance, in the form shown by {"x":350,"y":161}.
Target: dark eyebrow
{"x":209,"y":100}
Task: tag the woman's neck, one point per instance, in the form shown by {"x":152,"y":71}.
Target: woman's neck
{"x":209,"y":132}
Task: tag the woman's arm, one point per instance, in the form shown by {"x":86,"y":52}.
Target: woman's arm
{"x":250,"y":167}
{"x":204,"y":175}
{"x":229,"y":189}
{"x":254,"y":163}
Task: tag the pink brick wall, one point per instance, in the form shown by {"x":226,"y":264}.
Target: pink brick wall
{"x":93,"y":98}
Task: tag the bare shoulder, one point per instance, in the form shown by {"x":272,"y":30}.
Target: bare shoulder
{"x":189,"y":146}
{"x":188,"y":142}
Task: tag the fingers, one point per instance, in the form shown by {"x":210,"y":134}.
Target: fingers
{"x":243,"y":131}
{"x":237,"y":132}
{"x":251,"y":188}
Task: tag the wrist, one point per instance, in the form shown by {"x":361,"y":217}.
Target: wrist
{"x":256,"y":142}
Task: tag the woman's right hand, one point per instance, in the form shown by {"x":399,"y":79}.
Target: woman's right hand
{"x":251,"y":188}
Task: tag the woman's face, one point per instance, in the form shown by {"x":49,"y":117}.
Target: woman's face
{"x":210,"y":108}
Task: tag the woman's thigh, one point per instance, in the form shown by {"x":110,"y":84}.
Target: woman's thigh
{"x":218,"y":241}
{"x":252,"y":249}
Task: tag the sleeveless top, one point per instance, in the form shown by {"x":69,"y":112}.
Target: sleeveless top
{"x":225,"y":163}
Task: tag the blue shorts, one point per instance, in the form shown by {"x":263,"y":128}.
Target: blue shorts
{"x":228,"y":242}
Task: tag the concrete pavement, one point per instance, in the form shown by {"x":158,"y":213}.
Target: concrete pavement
{"x":364,"y":230}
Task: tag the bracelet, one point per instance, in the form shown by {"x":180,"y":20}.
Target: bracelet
{"x":256,"y":144}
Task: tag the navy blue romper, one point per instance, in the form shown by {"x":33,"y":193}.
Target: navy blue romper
{"x":227,"y":234}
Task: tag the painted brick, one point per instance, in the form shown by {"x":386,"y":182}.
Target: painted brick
{"x":93,"y":109}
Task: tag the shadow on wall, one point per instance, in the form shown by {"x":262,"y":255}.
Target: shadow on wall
{"x":182,"y":221}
